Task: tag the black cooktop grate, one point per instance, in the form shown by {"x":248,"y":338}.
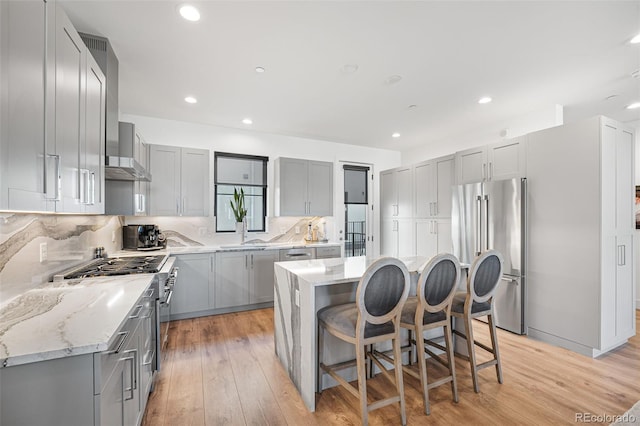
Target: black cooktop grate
{"x":118,"y":266}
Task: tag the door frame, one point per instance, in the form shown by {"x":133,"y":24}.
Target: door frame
{"x":339,"y":210}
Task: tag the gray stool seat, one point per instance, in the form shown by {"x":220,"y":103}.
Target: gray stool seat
{"x":458,"y":304}
{"x":343,"y":318}
{"x":409,"y":313}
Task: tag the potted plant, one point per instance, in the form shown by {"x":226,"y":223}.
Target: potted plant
{"x":239,"y":211}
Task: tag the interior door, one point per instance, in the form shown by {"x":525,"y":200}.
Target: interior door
{"x":355,"y":183}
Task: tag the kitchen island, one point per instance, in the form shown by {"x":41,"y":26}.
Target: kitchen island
{"x":304,"y":287}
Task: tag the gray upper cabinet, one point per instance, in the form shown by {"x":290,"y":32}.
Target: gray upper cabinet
{"x":303,"y":187}
{"x":94,"y":143}
{"x":51,"y":113}
{"x":180,"y":181}
{"x":433,"y":181}
{"x":22,"y":104}
{"x":128,"y":197}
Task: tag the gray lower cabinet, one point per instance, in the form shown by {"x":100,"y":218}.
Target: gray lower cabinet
{"x":261,"y":276}
{"x":328,"y":252}
{"x":244,"y":277}
{"x":232,"y":279}
{"x":100,"y":389}
{"x":193,"y":291}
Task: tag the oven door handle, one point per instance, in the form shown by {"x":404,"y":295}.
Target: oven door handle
{"x":167,"y":301}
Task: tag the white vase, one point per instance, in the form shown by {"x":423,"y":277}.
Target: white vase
{"x":241,"y":228}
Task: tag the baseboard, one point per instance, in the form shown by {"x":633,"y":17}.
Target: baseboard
{"x":561,"y":342}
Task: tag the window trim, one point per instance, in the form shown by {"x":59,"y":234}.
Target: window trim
{"x":264,"y":160}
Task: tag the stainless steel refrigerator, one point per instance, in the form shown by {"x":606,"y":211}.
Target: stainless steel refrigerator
{"x":491,"y":215}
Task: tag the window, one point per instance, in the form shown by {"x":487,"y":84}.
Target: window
{"x":247,"y":172}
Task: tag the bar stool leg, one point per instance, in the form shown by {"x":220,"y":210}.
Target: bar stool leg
{"x":362,"y":381}
{"x":397,"y":357}
{"x":452,"y":363}
{"x":472,"y":354}
{"x":422,"y":366}
{"x":494,"y":344}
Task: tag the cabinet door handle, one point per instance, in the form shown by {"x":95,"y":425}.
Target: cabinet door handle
{"x":435,"y":227}
{"x":57,"y":179}
{"x":246,"y":262}
{"x":93,"y":188}
{"x":184,"y":204}
{"x":621,"y":255}
{"x":251,"y":261}
{"x":490,"y":170}
{"x":484,"y":171}
{"x":137,"y":314}
{"x":435,"y":208}
{"x":309,"y":210}
{"x":131,"y":379}
{"x":177,"y":206}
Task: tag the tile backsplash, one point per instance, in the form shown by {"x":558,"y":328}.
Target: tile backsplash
{"x":71,"y":240}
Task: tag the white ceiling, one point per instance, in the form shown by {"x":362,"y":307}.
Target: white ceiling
{"x":526,"y":55}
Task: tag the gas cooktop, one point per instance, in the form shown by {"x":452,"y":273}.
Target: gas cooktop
{"x":115,"y":266}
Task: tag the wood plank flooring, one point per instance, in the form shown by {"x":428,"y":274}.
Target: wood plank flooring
{"x":222,"y":370}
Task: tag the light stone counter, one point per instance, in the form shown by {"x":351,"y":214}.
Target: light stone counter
{"x":229,"y":247}
{"x":304,"y":287}
{"x":67,"y":318}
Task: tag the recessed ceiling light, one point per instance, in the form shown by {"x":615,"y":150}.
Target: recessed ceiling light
{"x":413,"y":106}
{"x":247,"y":121}
{"x":190,"y":100}
{"x":349,"y":68}
{"x":259,"y":69}
{"x":635,"y":74}
{"x":189,"y":12}
{"x":635,"y":40}
{"x":608,"y":98}
{"x":485,"y":100}
{"x":393,"y":79}
{"x":634,"y":105}
{"x":395,"y":135}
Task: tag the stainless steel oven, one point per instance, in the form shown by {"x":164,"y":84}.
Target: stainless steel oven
{"x":167,"y":276}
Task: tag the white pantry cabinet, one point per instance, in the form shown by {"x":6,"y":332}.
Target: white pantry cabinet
{"x":433,"y":236}
{"x":581,"y":229}
{"x":180,"y":181}
{"x":52,"y":106}
{"x":397,"y":237}
{"x":396,"y":192}
{"x":432,"y":181}
{"x":303,"y":187}
{"x":499,"y":161}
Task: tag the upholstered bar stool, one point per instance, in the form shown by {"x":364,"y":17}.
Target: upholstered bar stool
{"x":484,"y":276}
{"x":374,"y":317}
{"x":430,"y":309}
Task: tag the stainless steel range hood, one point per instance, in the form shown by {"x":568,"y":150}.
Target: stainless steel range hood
{"x":125,"y":168}
{"x":120,"y":160}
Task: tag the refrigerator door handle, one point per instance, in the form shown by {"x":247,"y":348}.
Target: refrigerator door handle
{"x":486,"y":217}
{"x":478,"y":224}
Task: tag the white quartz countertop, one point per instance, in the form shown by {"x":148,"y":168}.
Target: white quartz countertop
{"x":225,"y":247}
{"x":319,"y":272}
{"x":67,"y":318}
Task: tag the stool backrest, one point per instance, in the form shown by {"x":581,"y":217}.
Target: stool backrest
{"x":382,"y":290}
{"x":484,"y":275}
{"x":438,"y":282}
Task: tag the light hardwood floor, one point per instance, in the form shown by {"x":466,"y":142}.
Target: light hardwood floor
{"x":222,"y":370}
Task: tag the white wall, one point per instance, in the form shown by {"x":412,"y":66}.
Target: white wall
{"x":169,"y":132}
{"x":536,"y":120}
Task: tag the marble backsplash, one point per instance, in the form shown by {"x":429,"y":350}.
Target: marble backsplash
{"x":71,"y":240}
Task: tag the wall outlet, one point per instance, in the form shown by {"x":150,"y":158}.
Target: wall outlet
{"x":43,"y":252}
{"x":113,"y":236}
{"x":297,"y":229}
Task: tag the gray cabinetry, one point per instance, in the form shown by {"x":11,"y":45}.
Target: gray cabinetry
{"x":22,"y":104}
{"x":101,"y":389}
{"x":180,"y":181}
{"x":328,"y":252}
{"x":499,"y":161}
{"x":51,"y":113}
{"x":261,"y":277}
{"x":193,"y":291}
{"x":129,"y":197}
{"x":303,"y":187}
{"x":232,"y":279}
